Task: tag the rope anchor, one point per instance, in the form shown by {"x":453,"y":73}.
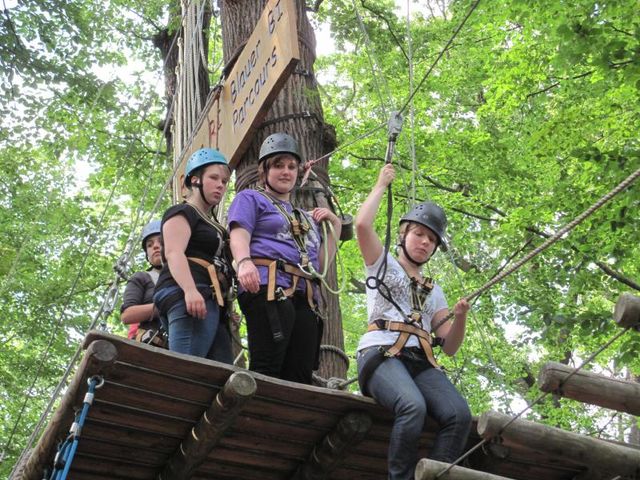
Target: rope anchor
{"x":66,"y":451}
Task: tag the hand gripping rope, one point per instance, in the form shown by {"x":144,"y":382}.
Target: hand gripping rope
{"x":376,"y":282}
{"x":66,"y":451}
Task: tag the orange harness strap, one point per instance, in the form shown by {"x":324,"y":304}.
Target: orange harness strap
{"x":406,"y":330}
{"x":213,"y":275}
{"x":295,"y":272}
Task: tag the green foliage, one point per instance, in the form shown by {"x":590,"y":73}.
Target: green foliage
{"x":528,"y":119}
{"x":530,"y":116}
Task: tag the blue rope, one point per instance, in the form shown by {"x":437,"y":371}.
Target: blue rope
{"x":67,"y":450}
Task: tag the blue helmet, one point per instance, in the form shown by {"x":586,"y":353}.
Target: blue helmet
{"x":202,"y":158}
{"x":154,"y":227}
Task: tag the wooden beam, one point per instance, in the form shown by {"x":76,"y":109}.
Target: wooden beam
{"x":226,"y":406}
{"x":98,"y":359}
{"x":589,"y":387}
{"x":627,"y":311}
{"x":331,"y":451}
{"x":597,"y":455}
{"x":428,"y":469}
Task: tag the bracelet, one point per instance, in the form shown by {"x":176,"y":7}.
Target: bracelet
{"x":239,"y":262}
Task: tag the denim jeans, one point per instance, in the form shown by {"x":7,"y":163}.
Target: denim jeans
{"x":199,"y":337}
{"x":412,"y":394}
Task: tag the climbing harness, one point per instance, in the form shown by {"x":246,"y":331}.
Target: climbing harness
{"x":223,"y":283}
{"x":66,"y":451}
{"x":299,"y":226}
{"x":412,"y":325}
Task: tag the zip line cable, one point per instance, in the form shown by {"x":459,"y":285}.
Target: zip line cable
{"x":446,"y":47}
{"x":412,"y":143}
{"x":550,"y":241}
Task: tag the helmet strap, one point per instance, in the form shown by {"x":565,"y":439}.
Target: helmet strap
{"x":200,"y":189}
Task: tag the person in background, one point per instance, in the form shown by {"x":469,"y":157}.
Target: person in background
{"x":276,"y":248}
{"x":396,"y":365}
{"x":137,"y":309}
{"x":193,"y":292}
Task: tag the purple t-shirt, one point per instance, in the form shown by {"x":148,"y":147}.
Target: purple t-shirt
{"x":271,"y":234}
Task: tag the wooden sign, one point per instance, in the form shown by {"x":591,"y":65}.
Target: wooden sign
{"x":231,"y":116}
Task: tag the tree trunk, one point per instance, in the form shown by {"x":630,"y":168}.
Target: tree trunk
{"x":298,"y":112}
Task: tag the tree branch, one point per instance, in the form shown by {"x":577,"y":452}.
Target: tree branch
{"x":389,"y":26}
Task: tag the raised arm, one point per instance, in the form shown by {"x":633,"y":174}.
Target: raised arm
{"x":368,"y":240}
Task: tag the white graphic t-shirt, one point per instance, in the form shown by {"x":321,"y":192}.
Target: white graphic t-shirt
{"x":378,"y":308}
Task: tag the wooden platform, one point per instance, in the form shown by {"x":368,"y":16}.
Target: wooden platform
{"x":152,"y":398}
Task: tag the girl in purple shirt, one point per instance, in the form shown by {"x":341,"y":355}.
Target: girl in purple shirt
{"x":276,"y":248}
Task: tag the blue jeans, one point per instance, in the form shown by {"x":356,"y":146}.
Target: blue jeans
{"x":412,"y":395}
{"x":199,"y":337}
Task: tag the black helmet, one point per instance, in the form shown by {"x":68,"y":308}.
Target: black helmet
{"x":431,"y":216}
{"x":279,"y":143}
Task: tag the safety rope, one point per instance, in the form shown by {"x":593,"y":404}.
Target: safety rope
{"x":550,"y":241}
{"x":535,"y":402}
{"x":446,"y":47}
{"x":66,"y":451}
{"x":322,"y":276}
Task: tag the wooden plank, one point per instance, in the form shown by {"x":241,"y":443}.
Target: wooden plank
{"x":143,"y":420}
{"x":589,"y":387}
{"x":432,"y":469}
{"x":151,"y":401}
{"x":597,"y":455}
{"x":162,"y":382}
{"x":97,"y":360}
{"x":224,"y":456}
{"x":254,"y":441}
{"x":120,"y":468}
{"x":237,"y":472}
{"x":145,"y":457}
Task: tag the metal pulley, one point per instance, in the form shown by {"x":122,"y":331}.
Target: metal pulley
{"x":394,"y":127}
